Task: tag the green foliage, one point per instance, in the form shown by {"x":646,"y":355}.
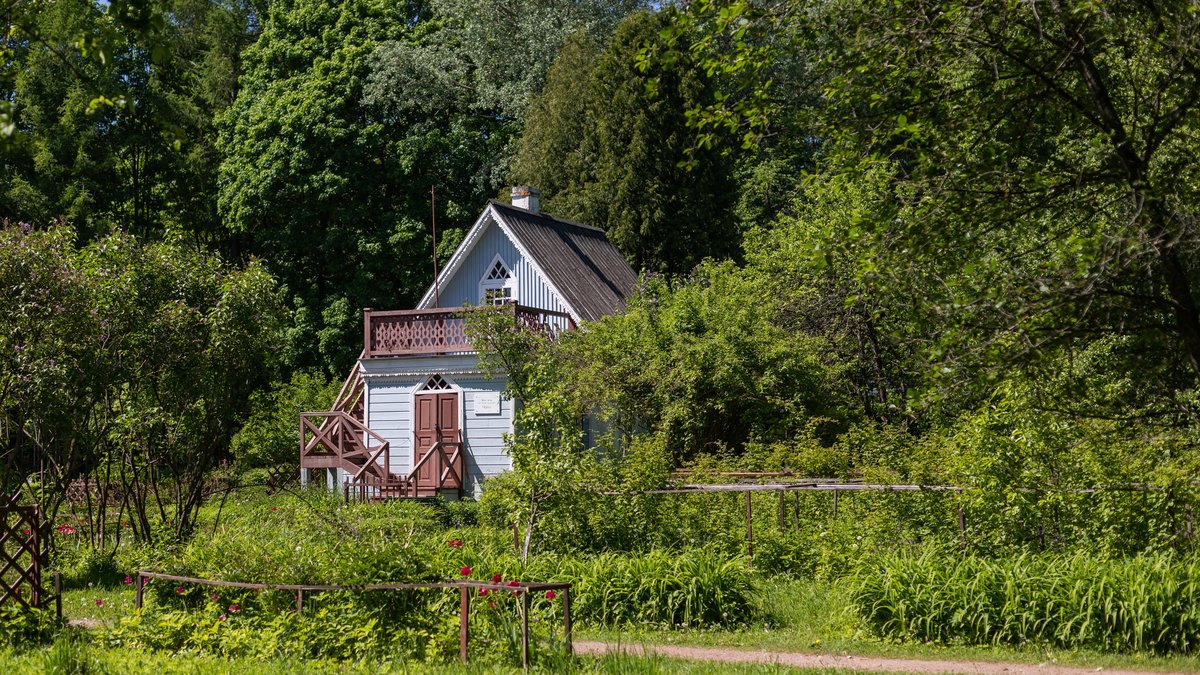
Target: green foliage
{"x":268,"y":437}
{"x":605,"y":141}
{"x":23,"y":627}
{"x":1144,"y":603}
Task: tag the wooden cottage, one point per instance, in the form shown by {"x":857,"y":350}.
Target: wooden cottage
{"x":416,"y":418}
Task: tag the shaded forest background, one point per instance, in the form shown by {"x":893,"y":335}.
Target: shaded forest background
{"x":933,"y":241}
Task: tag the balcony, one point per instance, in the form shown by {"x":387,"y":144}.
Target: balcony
{"x":423,"y":332}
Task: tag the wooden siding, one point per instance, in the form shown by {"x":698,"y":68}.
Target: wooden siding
{"x":463,"y":288}
{"x":389,"y":412}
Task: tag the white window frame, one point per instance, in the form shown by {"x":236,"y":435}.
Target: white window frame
{"x":487,"y":285}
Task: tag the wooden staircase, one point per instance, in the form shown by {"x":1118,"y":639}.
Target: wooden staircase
{"x":338,"y":439}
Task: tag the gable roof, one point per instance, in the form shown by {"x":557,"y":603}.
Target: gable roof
{"x":577,"y":261}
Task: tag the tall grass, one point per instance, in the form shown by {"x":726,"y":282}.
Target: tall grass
{"x":688,"y":588}
{"x":1146,"y":603}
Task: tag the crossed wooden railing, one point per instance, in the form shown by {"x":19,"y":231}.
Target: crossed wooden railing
{"x":335,"y":440}
{"x":449,"y":476}
{"x":442,"y":331}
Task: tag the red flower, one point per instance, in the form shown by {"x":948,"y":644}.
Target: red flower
{"x":492,"y":604}
{"x":455,"y":543}
{"x":99,"y":602}
{"x":215,"y":597}
{"x":550,"y":595}
{"x":465,"y":571}
{"x":496,"y":578}
{"x":124,"y":523}
{"x":235,"y":608}
{"x":514,"y":583}
{"x":483,"y":591}
{"x":128,"y":580}
{"x":179,"y":590}
{"x":26,"y":531}
{"x":65,"y":529}
{"x":274,"y":508}
{"x":222,"y":617}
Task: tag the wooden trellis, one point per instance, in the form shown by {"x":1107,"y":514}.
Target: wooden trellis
{"x":23,"y":558}
{"x":280,"y":478}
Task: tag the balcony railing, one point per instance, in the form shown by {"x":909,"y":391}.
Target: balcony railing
{"x":416,"y":332}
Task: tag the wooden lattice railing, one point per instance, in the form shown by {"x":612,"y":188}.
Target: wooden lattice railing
{"x":23,"y":557}
{"x":442,"y":331}
{"x":335,"y":440}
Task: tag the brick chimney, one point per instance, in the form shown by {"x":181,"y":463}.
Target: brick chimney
{"x":525,"y":197}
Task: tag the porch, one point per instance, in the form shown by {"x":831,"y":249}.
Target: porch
{"x":424,"y":332}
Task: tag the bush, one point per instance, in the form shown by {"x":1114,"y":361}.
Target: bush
{"x":269,"y":435}
{"x":1147,"y":603}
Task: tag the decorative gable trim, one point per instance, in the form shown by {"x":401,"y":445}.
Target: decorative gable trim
{"x":491,"y":215}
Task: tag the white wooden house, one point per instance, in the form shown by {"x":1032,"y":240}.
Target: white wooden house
{"x":416,"y":417}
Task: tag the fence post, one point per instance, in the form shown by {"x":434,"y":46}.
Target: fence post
{"x":464,"y":611}
{"x":525,"y":629}
{"x":566,"y":595}
{"x":782,"y":511}
{"x":749,"y":530}
{"x":835,"y":500}
{"x":962,"y":526}
{"x":300,"y":601}
{"x":141,"y":585}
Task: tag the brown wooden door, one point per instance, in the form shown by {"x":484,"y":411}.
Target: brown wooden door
{"x":434,"y":411}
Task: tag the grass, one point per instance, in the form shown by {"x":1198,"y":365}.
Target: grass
{"x":72,"y":654}
{"x":812,"y":617}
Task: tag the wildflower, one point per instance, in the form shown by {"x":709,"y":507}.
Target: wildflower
{"x":513,"y":583}
{"x":496,"y":578}
{"x":235,"y":608}
{"x":483,"y":591}
{"x":492,"y":604}
{"x":99,"y":602}
{"x":128,"y":580}
{"x":65,"y":529}
{"x":465,"y":571}
{"x":124,"y":523}
{"x":550,"y":595}
{"x":26,"y":531}
{"x":455,"y":543}
{"x":274,"y":508}
{"x":179,"y":590}
{"x":222,"y":617}
{"x":215,"y":597}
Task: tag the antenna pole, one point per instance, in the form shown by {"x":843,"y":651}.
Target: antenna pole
{"x":437,"y":301}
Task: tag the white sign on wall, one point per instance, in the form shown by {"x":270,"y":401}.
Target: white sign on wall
{"x":487,"y":403}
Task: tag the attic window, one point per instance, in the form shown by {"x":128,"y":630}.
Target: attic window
{"x":498,"y":286}
{"x":436,"y":383}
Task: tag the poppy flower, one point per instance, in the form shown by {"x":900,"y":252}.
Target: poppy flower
{"x":492,"y":604}
{"x":26,"y":531}
{"x":455,"y":543}
{"x":235,"y":608}
{"x":496,"y":578}
{"x":128,"y":580}
{"x":550,"y":595}
{"x":483,"y":591}
{"x":179,"y":590}
{"x":465,"y":571}
{"x":214,"y":596}
{"x":99,"y":602}
{"x":514,"y":583}
{"x":222,"y":617}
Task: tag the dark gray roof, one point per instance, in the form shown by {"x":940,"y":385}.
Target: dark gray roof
{"x":577,"y":259}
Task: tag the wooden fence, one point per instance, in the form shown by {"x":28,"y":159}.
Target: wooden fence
{"x":465,"y":587}
{"x":23,"y":558}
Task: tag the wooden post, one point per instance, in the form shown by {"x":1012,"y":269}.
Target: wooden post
{"x":566,"y":596}
{"x":524,"y":629}
{"x":516,"y":538}
{"x":835,"y":497}
{"x":141,"y":586}
{"x":749,"y":531}
{"x":796,"y":504}
{"x":962,"y":526}
{"x":464,"y":615}
{"x":782,"y":511}
{"x":58,"y":595}
{"x":300,"y":601}
{"x":346,"y":492}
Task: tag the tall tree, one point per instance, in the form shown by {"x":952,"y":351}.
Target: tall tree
{"x":333,"y":196}
{"x":608,"y":142}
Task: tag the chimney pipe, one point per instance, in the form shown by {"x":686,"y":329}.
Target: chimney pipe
{"x":525,"y":197}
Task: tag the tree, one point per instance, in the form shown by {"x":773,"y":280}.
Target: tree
{"x":1041,"y":162}
{"x":608,"y":143}
{"x":128,"y":364}
{"x":334,"y":199}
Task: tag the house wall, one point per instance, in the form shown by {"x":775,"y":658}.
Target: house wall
{"x":390,"y":385}
{"x":463,"y":288}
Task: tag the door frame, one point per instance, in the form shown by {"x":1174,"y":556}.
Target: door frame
{"x":412,"y":420}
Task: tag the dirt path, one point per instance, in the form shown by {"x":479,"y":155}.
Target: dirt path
{"x":848,"y":662}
